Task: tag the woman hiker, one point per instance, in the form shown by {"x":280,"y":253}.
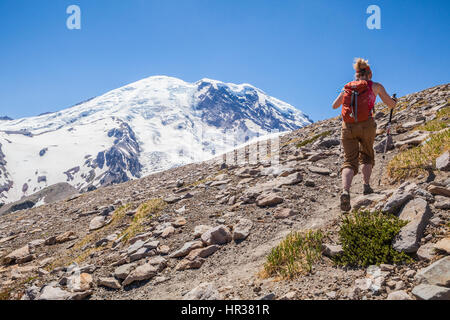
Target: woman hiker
{"x":359,"y":127}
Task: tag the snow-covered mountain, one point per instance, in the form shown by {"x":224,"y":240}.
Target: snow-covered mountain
{"x":147,"y":126}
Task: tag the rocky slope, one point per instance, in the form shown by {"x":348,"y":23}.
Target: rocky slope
{"x":151,"y":125}
{"x":204,"y":230}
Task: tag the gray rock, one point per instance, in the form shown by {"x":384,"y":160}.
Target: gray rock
{"x":367,"y":200}
{"x":443,"y":245}
{"x":31,"y":293}
{"x":218,"y":235}
{"x":291,"y":179}
{"x":200,"y":229}
{"x":328,"y":143}
{"x":426,"y":252}
{"x":418,"y":213}
{"x":159,"y":262}
{"x":97,"y":223}
{"x":398,"y":295}
{"x":141,"y":253}
{"x":123,"y":271}
{"x":53,"y":293}
{"x":399,"y":198}
{"x":205,"y":291}
{"x":437,"y":273}
{"x":431,"y":292}
{"x":242,"y":229}
{"x":135,"y":247}
{"x":332,"y":251}
{"x":269,"y":200}
{"x":319,"y":170}
{"x":442,"y":202}
{"x":443,"y":162}
{"x":21,"y":255}
{"x":172,"y":199}
{"x":186,"y":248}
{"x":109,"y":283}
{"x":141,"y":273}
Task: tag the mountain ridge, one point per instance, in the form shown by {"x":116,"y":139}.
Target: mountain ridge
{"x":143,"y":127}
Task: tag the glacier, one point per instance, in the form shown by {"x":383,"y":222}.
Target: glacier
{"x":147,"y":126}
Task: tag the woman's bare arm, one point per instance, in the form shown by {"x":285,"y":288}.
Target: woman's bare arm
{"x":379,"y":90}
{"x":337,"y":103}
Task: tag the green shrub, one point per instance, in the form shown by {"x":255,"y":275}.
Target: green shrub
{"x":418,"y":160}
{"x":366,"y":239}
{"x":314,"y":138}
{"x":294,"y":255}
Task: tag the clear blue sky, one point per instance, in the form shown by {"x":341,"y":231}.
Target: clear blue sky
{"x":298,"y":51}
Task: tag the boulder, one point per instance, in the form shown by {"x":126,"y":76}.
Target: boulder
{"x":283,"y":213}
{"x":205,"y":291}
{"x":123,"y":271}
{"x":269,"y":200}
{"x":217,"y":235}
{"x":418,"y":213}
{"x":398,"y":295}
{"x":186,"y":264}
{"x":403,"y":194}
{"x":242,"y":229}
{"x":291,"y":179}
{"x":67,"y":236}
{"x":179,"y":222}
{"x":186,"y":248}
{"x":443,"y":162}
{"x":21,"y":255}
{"x":439,"y":190}
{"x":437,"y":273}
{"x":319,"y":170}
{"x":53,"y":293}
{"x":80,"y":283}
{"x":159,"y":262}
{"x":332,"y":251}
{"x":110,"y":283}
{"x":442,"y":203}
{"x":200,"y":229}
{"x":367,"y":200}
{"x":97,"y":223}
{"x":443,"y":245}
{"x":426,"y":252}
{"x":141,"y":273}
{"x":431,"y":292}
{"x":202,"y":252}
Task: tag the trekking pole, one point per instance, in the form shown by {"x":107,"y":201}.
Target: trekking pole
{"x":388,"y":132}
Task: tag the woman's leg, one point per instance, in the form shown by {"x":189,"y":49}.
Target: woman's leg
{"x":366,"y":170}
{"x":347,"y":177}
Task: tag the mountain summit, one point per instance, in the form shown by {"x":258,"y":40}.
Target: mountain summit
{"x":151,"y":125}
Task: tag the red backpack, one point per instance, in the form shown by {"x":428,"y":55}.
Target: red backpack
{"x":355,"y":105}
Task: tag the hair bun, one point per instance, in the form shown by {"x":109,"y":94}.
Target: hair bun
{"x":360,"y":64}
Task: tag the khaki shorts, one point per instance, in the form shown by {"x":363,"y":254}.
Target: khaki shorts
{"x":357,"y":141}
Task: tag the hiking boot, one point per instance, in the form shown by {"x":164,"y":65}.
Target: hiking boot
{"x":367,"y":189}
{"x":345,"y":201}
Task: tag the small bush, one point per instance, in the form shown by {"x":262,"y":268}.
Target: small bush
{"x":145,"y":212}
{"x":295,"y":255}
{"x":312,"y":139}
{"x":366,"y":239}
{"x":419,"y":160}
{"x":442,"y":121}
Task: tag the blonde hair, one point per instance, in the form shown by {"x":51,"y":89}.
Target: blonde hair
{"x":359,"y":65}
